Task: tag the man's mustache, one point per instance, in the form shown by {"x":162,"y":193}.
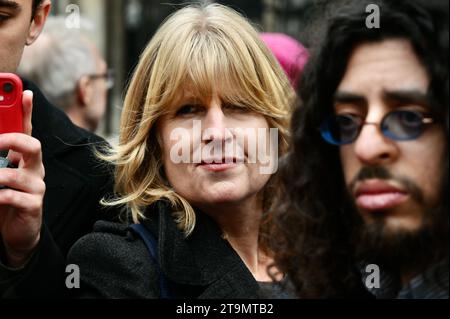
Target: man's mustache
{"x":380,"y":172}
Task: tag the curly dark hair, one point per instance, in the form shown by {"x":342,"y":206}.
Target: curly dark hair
{"x":313,"y":232}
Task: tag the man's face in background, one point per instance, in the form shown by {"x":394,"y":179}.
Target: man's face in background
{"x":395,"y":185}
{"x":95,"y":110}
{"x":17,"y":29}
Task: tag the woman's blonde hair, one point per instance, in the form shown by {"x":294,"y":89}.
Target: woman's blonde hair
{"x":208,"y":48}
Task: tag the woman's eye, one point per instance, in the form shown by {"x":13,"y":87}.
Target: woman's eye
{"x":3,"y":17}
{"x":187,"y":109}
{"x":234,"y":108}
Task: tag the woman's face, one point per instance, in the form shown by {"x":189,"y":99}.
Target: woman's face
{"x":213,"y":153}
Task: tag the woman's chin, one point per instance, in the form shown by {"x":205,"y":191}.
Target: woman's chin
{"x":223,"y":198}
{"x":220,"y":197}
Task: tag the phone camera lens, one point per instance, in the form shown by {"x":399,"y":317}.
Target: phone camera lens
{"x":8,"y":87}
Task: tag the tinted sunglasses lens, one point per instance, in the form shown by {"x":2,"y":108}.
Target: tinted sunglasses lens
{"x":340,"y":130}
{"x":402,"y":125}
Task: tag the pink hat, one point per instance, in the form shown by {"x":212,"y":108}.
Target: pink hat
{"x":290,"y":53}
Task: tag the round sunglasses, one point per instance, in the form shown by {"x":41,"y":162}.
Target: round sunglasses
{"x":400,"y":125}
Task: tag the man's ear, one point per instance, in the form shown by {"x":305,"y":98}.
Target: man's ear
{"x":84,"y":91}
{"x":38,"y":22}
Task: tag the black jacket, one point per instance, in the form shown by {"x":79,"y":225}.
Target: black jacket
{"x":115,"y":263}
{"x":75,"y":182}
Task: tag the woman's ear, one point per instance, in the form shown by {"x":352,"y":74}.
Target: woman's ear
{"x":38,"y":21}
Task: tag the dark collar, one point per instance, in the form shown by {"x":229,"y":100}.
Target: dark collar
{"x":52,"y":126}
{"x":432,"y":284}
{"x":202,"y":259}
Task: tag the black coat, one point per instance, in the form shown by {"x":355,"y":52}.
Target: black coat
{"x":115,"y":263}
{"x":75,"y":182}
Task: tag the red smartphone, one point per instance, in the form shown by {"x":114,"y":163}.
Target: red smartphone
{"x":11,"y":90}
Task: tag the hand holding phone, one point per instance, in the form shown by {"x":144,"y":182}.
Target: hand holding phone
{"x":11,"y":116}
{"x":10,"y":110}
{"x":21,"y":202}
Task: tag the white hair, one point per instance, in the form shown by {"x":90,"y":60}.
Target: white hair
{"x":58,"y":59}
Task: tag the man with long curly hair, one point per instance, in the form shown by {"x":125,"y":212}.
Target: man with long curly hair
{"x":366,"y":183}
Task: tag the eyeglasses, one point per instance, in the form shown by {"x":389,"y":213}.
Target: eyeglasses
{"x":108,"y":76}
{"x":401,"y":125}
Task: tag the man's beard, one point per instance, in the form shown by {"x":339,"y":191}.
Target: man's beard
{"x":401,"y":250}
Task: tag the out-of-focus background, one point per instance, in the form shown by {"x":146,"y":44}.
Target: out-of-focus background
{"x":122,"y":28}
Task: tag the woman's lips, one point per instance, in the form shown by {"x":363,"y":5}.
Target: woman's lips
{"x":376,"y":195}
{"x":219,"y":166}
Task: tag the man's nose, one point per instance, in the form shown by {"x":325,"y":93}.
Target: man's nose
{"x":372,"y":147}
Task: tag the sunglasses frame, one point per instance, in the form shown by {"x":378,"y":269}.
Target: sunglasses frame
{"x":326,"y":135}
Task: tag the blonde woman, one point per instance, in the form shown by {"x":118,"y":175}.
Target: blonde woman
{"x":204,"y":82}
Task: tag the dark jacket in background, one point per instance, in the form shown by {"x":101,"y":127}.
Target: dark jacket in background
{"x":115,"y":263}
{"x":75,"y":182}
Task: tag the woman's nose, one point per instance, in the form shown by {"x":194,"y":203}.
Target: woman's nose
{"x":214,"y":125}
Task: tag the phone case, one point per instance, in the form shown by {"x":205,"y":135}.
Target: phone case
{"x":11,"y":90}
